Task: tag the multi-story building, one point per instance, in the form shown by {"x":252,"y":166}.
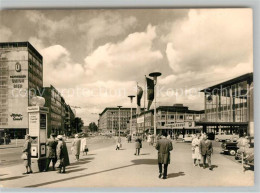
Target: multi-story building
{"x":70,"y":116}
{"x":174,"y":119}
{"x":21,"y":72}
{"x":109,"y":119}
{"x":53,"y":101}
{"x":229,"y":106}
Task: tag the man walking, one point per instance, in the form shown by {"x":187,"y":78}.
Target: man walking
{"x":51,"y":145}
{"x":164,"y":146}
{"x":206,"y":149}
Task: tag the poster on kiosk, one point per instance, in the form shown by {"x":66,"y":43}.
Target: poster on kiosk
{"x":38,"y":133}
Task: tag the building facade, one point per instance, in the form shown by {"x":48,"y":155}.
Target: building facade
{"x":21,"y":72}
{"x":54,"y":103}
{"x":109,"y":120}
{"x":229,"y":106}
{"x":173,"y":119}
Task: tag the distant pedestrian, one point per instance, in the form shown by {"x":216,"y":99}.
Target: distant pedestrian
{"x":27,"y":154}
{"x":206,"y":149}
{"x":129,"y":138}
{"x":51,"y":145}
{"x":118,"y":145}
{"x":138,"y":145}
{"x":152,"y":139}
{"x":62,"y":155}
{"x":196,"y":150}
{"x":76,"y":147}
{"x":164,"y":146}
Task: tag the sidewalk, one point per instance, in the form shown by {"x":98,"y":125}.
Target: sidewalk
{"x":13,"y":144}
{"x":110,"y":168}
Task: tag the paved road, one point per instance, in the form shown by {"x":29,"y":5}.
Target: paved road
{"x":106,"y":167}
{"x":11,"y":154}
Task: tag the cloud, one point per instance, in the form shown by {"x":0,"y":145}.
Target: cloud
{"x":59,"y":69}
{"x":107,"y":24}
{"x":127,"y":60}
{"x":5,"y":34}
{"x":210,"y":38}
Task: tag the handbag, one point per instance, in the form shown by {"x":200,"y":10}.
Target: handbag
{"x":57,"y":164}
{"x":24,"y":156}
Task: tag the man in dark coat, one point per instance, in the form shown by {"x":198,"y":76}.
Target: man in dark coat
{"x":164,"y":146}
{"x":206,"y":149}
{"x":51,"y":145}
{"x":62,"y":154}
{"x":27,"y":152}
{"x":138,"y":145}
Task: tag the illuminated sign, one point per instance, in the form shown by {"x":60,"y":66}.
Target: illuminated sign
{"x":18,"y":67}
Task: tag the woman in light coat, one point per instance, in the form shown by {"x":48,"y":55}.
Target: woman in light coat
{"x":195,"y":150}
{"x":76,"y":147}
{"x":27,"y":152}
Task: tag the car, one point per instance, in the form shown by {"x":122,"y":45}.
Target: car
{"x":187,"y":138}
{"x":229,"y":148}
{"x":226,"y":137}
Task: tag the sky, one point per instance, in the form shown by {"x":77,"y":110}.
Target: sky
{"x":96,"y":57}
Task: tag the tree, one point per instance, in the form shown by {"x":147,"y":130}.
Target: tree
{"x":78,"y":124}
{"x":93,"y":127}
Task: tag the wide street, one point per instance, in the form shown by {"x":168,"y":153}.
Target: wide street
{"x":123,"y":169}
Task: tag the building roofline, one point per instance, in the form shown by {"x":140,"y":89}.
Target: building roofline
{"x":247,"y":76}
{"x":116,"y":108}
{"x":21,"y":44}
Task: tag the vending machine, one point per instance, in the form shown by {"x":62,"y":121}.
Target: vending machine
{"x":38,"y":133}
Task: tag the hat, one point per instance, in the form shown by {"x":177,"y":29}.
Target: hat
{"x":59,"y":137}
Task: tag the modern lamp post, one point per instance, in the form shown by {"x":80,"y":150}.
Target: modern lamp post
{"x":112,"y":113}
{"x":131,"y":114}
{"x":155,"y":75}
{"x":119,"y":118}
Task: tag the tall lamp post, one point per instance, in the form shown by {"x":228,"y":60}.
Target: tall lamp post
{"x":112,"y":113}
{"x":131,"y":100}
{"x":155,"y":75}
{"x":119,"y":119}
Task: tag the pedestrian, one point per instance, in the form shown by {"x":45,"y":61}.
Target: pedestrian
{"x":129,"y":138}
{"x":76,"y":147}
{"x":152,"y":139}
{"x":206,"y":150}
{"x":196,"y":150}
{"x":138,"y":145}
{"x":83,"y":146}
{"x":118,"y":145}
{"x":27,"y":154}
{"x":62,"y":155}
{"x":51,"y":145}
{"x":164,"y":146}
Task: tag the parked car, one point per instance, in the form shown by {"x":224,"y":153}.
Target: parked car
{"x":187,"y":138}
{"x":226,"y":137}
{"x":229,"y":148}
{"x":247,"y":150}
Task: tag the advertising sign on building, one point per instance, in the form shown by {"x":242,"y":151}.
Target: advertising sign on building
{"x":34,"y":122}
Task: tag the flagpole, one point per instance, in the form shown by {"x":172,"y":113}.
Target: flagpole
{"x":136,"y":113}
{"x":144,"y":101}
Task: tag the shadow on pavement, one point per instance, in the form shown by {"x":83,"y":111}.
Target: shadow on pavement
{"x":82,"y":161}
{"x":75,"y":170}
{"x":214,"y":166}
{"x":135,"y":162}
{"x":145,"y":154}
{"x":145,"y":161}
{"x":175,"y":175}
{"x":12,"y":178}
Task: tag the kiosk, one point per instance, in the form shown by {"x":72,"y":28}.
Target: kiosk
{"x":38,"y":133}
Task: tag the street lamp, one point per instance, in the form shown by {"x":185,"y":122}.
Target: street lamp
{"x":119,"y":118}
{"x":131,"y":100}
{"x":155,"y":75}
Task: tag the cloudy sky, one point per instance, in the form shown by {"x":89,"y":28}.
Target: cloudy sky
{"x":96,"y":57}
